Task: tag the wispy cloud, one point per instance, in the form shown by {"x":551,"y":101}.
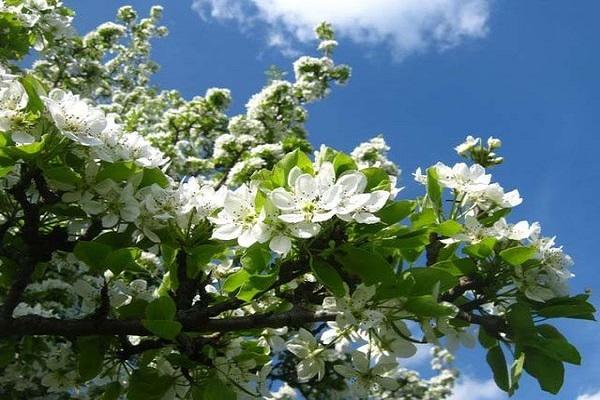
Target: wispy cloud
{"x":589,"y":396}
{"x":405,"y":27}
{"x":473,"y":389}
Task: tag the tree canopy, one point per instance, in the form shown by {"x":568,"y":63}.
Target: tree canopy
{"x":155,"y":247}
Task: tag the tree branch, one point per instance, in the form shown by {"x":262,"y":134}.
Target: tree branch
{"x":34,"y":325}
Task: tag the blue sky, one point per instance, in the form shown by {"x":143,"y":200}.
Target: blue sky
{"x":525,"y":71}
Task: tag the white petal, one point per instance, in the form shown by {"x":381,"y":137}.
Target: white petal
{"x":246,"y":238}
{"x":306,"y":187}
{"x":227,"y":232}
{"x":366,"y":218}
{"x":22,"y":138}
{"x":293,"y":175}
{"x":282,"y":199}
{"x":305,"y":230}
{"x":280,"y":244}
{"x":291,"y":218}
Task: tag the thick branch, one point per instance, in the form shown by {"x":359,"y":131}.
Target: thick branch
{"x":33,"y":325}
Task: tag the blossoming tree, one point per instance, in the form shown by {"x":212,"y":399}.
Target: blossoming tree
{"x":153,"y":247}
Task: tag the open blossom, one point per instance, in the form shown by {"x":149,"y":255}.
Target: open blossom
{"x":353,"y":310}
{"x":312,"y":355}
{"x":469,"y":143}
{"x":313,"y":198}
{"x":374,"y":153}
{"x":197,"y":201}
{"x":13,"y":100}
{"x":120,"y":203}
{"x":115,"y":145}
{"x":462,"y":177}
{"x":365,"y":379}
{"x":355,"y":204}
{"x":240,"y":219}
{"x":75,"y":118}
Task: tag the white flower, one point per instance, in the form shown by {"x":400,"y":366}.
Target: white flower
{"x":197,"y":202}
{"x":76,"y":119}
{"x":494,"y":143}
{"x":353,"y":310}
{"x":13,"y":100}
{"x":520,"y":231}
{"x":462,"y":177}
{"x":313,"y":199}
{"x":467,"y":145}
{"x":121,"y":203}
{"x":374,"y":153}
{"x":240,"y":220}
{"x":365,"y":379}
{"x":305,"y":347}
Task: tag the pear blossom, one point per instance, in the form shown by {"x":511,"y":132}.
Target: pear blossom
{"x":239,"y":218}
{"x":365,"y":379}
{"x":469,"y":143}
{"x":75,"y":118}
{"x":352,"y":310}
{"x":13,"y":100}
{"x":197,"y":201}
{"x":312,"y":355}
{"x":120,"y":203}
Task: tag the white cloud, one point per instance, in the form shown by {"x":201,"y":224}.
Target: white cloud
{"x":473,"y":389}
{"x":405,"y":26}
{"x":589,"y":396}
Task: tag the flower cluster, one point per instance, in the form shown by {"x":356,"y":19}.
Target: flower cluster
{"x":89,"y":126}
{"x":298,"y":210}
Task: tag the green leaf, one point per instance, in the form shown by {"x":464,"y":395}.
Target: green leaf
{"x":163,"y":328}
{"x":111,"y":391}
{"x":34,"y":89}
{"x":124,"y":259}
{"x":457,"y":266}
{"x":482,"y":249}
{"x":497,"y":362}
{"x":494,"y":217}
{"x":520,"y":321}
{"x":7,"y":352}
{"x":377,"y":179}
{"x":548,"y":371}
{"x":25,"y":151}
{"x":64,"y":175}
{"x":486,"y":340}
{"x":516,"y":256}
{"x":328,"y":276}
{"x":411,"y":240}
{"x":342,"y":162}
{"x":256,"y":284}
{"x":118,"y":171}
{"x":434,"y":190}
{"x":448,"y":228}
{"x":235,"y":280}
{"x":215,"y":389}
{"x":161,"y":308}
{"x":93,"y":254}
{"x":427,"y":306}
{"x":91,"y":350}
{"x":147,"y":384}
{"x":372,"y":268}
{"x":200,"y":256}
{"x":396,"y":211}
{"x":296,"y":158}
{"x":426,"y":217}
{"x":427,"y":278}
{"x":515,"y":372}
{"x":153,"y":176}
{"x":576,"y":310}
{"x":256,"y":258}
